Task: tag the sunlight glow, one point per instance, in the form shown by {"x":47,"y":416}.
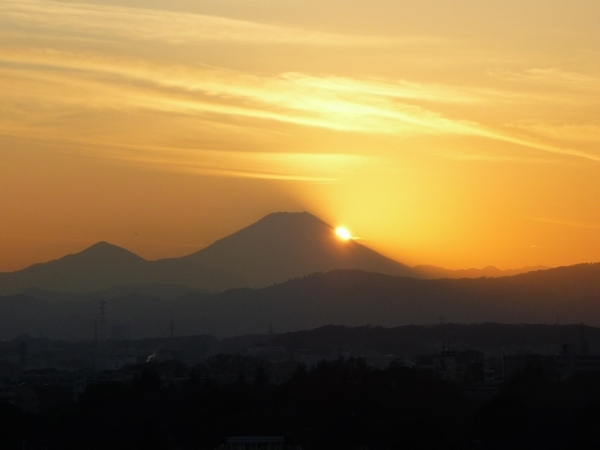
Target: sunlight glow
{"x":120,"y":115}
{"x":343,"y":233}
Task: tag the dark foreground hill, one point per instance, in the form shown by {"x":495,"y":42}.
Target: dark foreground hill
{"x":343,"y":297}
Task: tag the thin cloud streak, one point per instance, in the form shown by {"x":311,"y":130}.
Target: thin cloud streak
{"x":400,"y":90}
{"x":302,"y":167}
{"x":551,"y":77}
{"x":297,"y":167}
{"x":524,"y":142}
{"x":328,"y":102}
{"x":341,"y":104}
{"x":582,"y":132}
{"x":114,"y":22}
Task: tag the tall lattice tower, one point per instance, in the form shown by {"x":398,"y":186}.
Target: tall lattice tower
{"x":102,"y":325}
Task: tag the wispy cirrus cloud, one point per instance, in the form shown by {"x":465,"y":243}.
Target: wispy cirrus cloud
{"x":303,"y":167}
{"x":558,"y":76}
{"x":550,"y":76}
{"x":343,"y":104}
{"x":560,"y":131}
{"x":497,"y":158}
{"x":119,"y":22}
{"x":278,"y":166}
{"x":329,"y":102}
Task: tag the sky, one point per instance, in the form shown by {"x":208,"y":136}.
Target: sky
{"x":459,"y":134}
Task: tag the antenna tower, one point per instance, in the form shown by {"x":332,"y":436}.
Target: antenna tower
{"x":102,"y":327}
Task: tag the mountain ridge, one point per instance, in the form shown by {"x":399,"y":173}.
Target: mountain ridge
{"x":433,"y":272}
{"x":104,"y":266}
{"x":278,"y":247}
{"x":565,"y":295}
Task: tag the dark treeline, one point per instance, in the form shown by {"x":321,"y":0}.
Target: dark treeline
{"x":343,"y":404}
{"x":410,"y":340}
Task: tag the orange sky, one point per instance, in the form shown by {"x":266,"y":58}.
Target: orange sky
{"x":459,"y":134}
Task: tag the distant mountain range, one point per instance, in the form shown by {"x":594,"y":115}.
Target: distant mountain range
{"x":355,"y":298}
{"x":342,"y":297}
{"x":426,"y":271}
{"x":104,"y":266}
{"x":288,"y":271}
{"x":279,"y":247}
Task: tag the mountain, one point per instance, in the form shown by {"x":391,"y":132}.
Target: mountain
{"x":566,"y":295}
{"x":158,"y":290}
{"x":105,"y":266}
{"x":96,"y":267}
{"x":287,"y":245}
{"x":427,"y":271}
{"x":276,"y":248}
{"x":353,"y":298}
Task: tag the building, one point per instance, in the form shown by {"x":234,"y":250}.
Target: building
{"x":559,"y":366}
{"x":116,"y":362}
{"x":255,"y":443}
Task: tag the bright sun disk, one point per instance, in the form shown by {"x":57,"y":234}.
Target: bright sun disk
{"x":343,"y":233}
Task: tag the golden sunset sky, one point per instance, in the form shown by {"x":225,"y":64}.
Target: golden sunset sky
{"x":456,"y":133}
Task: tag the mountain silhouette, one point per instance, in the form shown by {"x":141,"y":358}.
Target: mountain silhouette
{"x":287,"y":245}
{"x":279,"y":247}
{"x":427,"y":271}
{"x":104,"y":266}
{"x":96,"y":267}
{"x":567,"y":295}
{"x":276,"y":248}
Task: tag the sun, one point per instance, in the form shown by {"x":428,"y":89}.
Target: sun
{"x":343,"y":233}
